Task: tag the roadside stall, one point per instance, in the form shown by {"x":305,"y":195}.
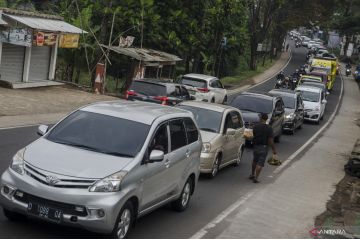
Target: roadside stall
{"x":28,"y":47}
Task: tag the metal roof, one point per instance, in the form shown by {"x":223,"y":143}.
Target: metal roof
{"x":2,"y":22}
{"x":46,"y":24}
{"x":145,"y":55}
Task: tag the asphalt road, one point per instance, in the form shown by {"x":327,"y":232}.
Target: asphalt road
{"x":210,"y":198}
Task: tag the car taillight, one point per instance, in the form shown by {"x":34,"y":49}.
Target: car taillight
{"x":204,"y":90}
{"x":163,"y":99}
{"x":130,"y":93}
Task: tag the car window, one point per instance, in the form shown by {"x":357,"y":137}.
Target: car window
{"x":191,"y":130}
{"x":148,"y":88}
{"x":178,"y":134}
{"x":252,"y":104}
{"x":176,"y":92}
{"x":278,"y":106}
{"x":184,"y":92}
{"x":228,"y":122}
{"x":160,"y":140}
{"x":207,"y":120}
{"x":216,"y":84}
{"x":100,"y":133}
{"x":198,"y":83}
{"x":236,"y":120}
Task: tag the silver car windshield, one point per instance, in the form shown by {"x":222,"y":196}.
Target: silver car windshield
{"x":207,"y":120}
{"x":310,"y":96}
{"x":100,"y":133}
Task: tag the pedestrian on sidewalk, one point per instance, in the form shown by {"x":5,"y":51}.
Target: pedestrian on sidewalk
{"x":263,"y":137}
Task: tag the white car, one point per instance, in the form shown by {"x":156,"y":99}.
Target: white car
{"x":311,"y":44}
{"x":314,"y":102}
{"x":205,"y":88}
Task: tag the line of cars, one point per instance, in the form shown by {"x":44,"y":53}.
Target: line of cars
{"x":108,"y":163}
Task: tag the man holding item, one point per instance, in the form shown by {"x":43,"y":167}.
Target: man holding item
{"x":263,"y":137}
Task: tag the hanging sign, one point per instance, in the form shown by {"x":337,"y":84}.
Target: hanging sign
{"x":44,"y":39}
{"x":17,"y":36}
{"x":69,"y":40}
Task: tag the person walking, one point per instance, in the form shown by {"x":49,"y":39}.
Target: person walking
{"x":263,"y":138}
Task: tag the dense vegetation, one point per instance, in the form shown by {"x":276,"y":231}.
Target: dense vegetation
{"x":192,"y":29}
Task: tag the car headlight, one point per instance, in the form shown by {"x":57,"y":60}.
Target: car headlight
{"x":290,"y":116}
{"x":109,"y":184}
{"x":17,"y":163}
{"x":206,"y":148}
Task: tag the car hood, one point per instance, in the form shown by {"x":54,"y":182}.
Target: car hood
{"x":208,"y":136}
{"x":289,"y":111}
{"x":311,"y":105}
{"x":71,"y":161}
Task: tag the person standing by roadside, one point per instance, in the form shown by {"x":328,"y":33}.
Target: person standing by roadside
{"x":263,"y":138}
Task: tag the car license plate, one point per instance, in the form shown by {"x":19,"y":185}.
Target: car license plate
{"x":44,"y":211}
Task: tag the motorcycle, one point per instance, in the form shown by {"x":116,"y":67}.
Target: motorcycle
{"x":348,"y":72}
{"x":278,"y":83}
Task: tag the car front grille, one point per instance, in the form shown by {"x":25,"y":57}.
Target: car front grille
{"x":62,"y":181}
{"x":66,"y":208}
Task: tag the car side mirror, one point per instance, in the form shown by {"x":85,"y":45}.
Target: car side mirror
{"x":42,"y":130}
{"x":156,"y":156}
{"x":230,"y":131}
{"x":324,"y":101}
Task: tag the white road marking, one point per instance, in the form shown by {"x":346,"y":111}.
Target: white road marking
{"x":295,"y":154}
{"x":203,"y":231}
{"x":236,"y":91}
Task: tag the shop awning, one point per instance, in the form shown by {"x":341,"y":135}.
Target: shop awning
{"x":43,"y":24}
{"x":148,"y":56}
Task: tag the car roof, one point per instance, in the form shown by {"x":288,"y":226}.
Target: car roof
{"x":311,"y":76}
{"x":209,"y":106}
{"x":200,"y":76}
{"x":137,"y":111}
{"x":288,"y":93}
{"x":309,"y":89}
{"x":157,"y":81}
{"x":264,"y":96}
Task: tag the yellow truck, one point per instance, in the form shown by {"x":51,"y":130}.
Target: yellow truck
{"x":329,"y":64}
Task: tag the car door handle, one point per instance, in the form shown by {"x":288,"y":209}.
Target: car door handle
{"x":167,"y":163}
{"x":187,"y":153}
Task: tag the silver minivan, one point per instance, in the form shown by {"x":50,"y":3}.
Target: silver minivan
{"x":104,"y":165}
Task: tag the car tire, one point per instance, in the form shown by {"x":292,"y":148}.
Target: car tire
{"x":240,"y":155}
{"x":182,"y":202}
{"x":225,"y":100}
{"x":124,"y":221}
{"x":14,"y":216}
{"x":216,"y":167}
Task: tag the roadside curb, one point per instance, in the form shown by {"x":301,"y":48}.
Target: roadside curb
{"x":247,"y":87}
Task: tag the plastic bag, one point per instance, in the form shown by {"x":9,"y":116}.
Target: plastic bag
{"x":274,"y":160}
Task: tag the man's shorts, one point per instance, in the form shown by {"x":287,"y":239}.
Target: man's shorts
{"x":260,"y":154}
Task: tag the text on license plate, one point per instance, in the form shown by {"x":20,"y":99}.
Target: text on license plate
{"x":45,"y":211}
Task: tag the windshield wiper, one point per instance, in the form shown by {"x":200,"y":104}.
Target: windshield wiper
{"x":208,"y":130}
{"x":85,"y":147}
{"x":248,"y":110}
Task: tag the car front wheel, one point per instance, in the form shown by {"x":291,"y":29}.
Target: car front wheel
{"x":124,"y":221}
{"x":183,"y":201}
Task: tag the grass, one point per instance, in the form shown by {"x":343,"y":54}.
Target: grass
{"x":240,"y":74}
